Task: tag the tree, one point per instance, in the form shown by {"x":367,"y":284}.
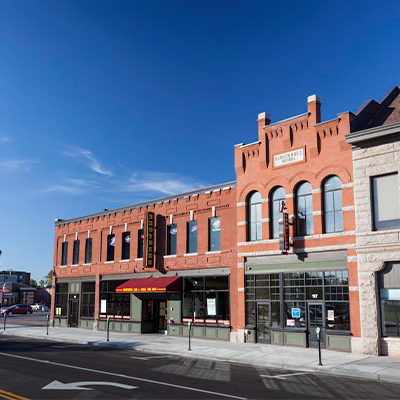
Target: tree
{"x":48,"y":278}
{"x":33,"y":283}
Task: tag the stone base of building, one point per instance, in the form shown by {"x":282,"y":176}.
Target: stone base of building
{"x":390,"y":347}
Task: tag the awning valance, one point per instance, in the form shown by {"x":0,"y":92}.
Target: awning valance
{"x":151,"y":285}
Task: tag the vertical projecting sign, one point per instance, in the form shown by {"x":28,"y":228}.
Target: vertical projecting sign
{"x":149,"y":240}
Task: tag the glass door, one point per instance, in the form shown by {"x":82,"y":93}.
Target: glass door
{"x":73,"y":316}
{"x":162,"y":316}
{"x":316,"y":319}
{"x":263,"y":322}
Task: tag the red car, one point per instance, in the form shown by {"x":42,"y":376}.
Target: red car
{"x":17,"y":309}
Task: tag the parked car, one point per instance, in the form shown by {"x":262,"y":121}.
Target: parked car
{"x":17,"y":309}
{"x":39,"y":307}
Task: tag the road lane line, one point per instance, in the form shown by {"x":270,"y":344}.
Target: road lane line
{"x":149,"y":358}
{"x":125,"y":376}
{"x":3,"y":393}
{"x":284,"y":376}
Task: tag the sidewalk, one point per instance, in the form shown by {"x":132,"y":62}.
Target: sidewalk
{"x":336,"y":363}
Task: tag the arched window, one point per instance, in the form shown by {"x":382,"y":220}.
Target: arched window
{"x":333,"y":216}
{"x":304,"y":220}
{"x":278,"y":196}
{"x":254,"y":217}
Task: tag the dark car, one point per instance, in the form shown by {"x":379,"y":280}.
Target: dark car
{"x":17,"y":309}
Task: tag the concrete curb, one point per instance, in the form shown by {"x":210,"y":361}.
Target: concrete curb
{"x":195,"y":355}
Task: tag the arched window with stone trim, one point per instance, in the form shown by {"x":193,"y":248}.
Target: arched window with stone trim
{"x":304,"y":209}
{"x":333,"y":215}
{"x":278,"y":196}
{"x":254,"y":217}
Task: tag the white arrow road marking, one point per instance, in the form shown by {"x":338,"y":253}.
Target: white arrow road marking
{"x":283,"y":376}
{"x":57,"y":385}
{"x":124,"y":376}
{"x":149,"y":358}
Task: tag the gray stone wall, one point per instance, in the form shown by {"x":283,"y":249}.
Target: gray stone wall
{"x":374,"y":248}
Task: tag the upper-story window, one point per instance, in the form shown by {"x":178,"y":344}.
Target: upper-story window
{"x":277,"y":198}
{"x":191,"y":237}
{"x":140,"y":243}
{"x":304,"y":218}
{"x":214,"y":234}
{"x":333,"y":216}
{"x":385,"y":197}
{"x":172,"y":231}
{"x":254,"y":217}
{"x":88,"y":251}
{"x":126,"y":245}
{"x":75,"y":259}
{"x":64,"y":253}
{"x":110,"y":247}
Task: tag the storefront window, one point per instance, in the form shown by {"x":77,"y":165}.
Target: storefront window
{"x":206,"y":299}
{"x":329,"y":288}
{"x":389,"y":290}
{"x":88,"y":299}
{"x":338,"y":316}
{"x":62,"y":298}
{"x":112,"y":304}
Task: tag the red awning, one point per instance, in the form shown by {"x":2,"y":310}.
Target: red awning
{"x":151,"y":285}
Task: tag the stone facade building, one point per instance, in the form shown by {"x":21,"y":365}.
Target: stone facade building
{"x":376,"y":158}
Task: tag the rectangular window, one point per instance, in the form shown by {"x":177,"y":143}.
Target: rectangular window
{"x":126,"y":245}
{"x":64,"y":253}
{"x":140,"y":243}
{"x":61,"y":302}
{"x":88,"y":298}
{"x":75,"y":259}
{"x":191,"y":246}
{"x":206,"y":299}
{"x":110,"y":247}
{"x":171,"y":239}
{"x":386,"y":205}
{"x":214,"y":231}
{"x":88,"y":251}
{"x":112,"y":304}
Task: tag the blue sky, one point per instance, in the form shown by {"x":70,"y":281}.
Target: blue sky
{"x":109,"y":103}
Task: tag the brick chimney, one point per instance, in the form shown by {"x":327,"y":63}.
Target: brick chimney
{"x":263,"y":120}
{"x":314,"y":108}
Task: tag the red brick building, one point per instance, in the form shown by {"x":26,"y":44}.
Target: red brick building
{"x":282,"y":298}
{"x":195,"y":258}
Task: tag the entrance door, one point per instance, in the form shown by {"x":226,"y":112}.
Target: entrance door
{"x":73,"y":314}
{"x":162,"y":316}
{"x":263,"y":323}
{"x":316,"y":319}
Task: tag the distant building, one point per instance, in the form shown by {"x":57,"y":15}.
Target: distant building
{"x":15,"y":288}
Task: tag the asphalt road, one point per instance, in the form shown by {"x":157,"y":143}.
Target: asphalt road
{"x":39,"y":369}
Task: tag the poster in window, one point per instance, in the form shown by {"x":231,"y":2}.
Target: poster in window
{"x":193,"y":229}
{"x":216,"y":225}
{"x":112,"y":241}
{"x":331,"y":315}
{"x":211,"y":309}
{"x":103,"y":306}
{"x":290,"y":322}
{"x":128,"y":239}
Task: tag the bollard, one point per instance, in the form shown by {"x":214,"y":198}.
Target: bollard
{"x":189,"y":328}
{"x":108,"y":329}
{"x":48,"y":319}
{"x":318,"y":332}
{"x":5,"y":315}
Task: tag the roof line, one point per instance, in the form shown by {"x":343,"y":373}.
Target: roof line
{"x":221,"y":186}
{"x":287,"y":119}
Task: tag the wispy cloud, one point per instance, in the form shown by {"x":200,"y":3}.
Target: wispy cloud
{"x":18,"y":165}
{"x":4,"y":139}
{"x":66,"y":189}
{"x":73,"y":186}
{"x":161,"y":182}
{"x":93,"y":163}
